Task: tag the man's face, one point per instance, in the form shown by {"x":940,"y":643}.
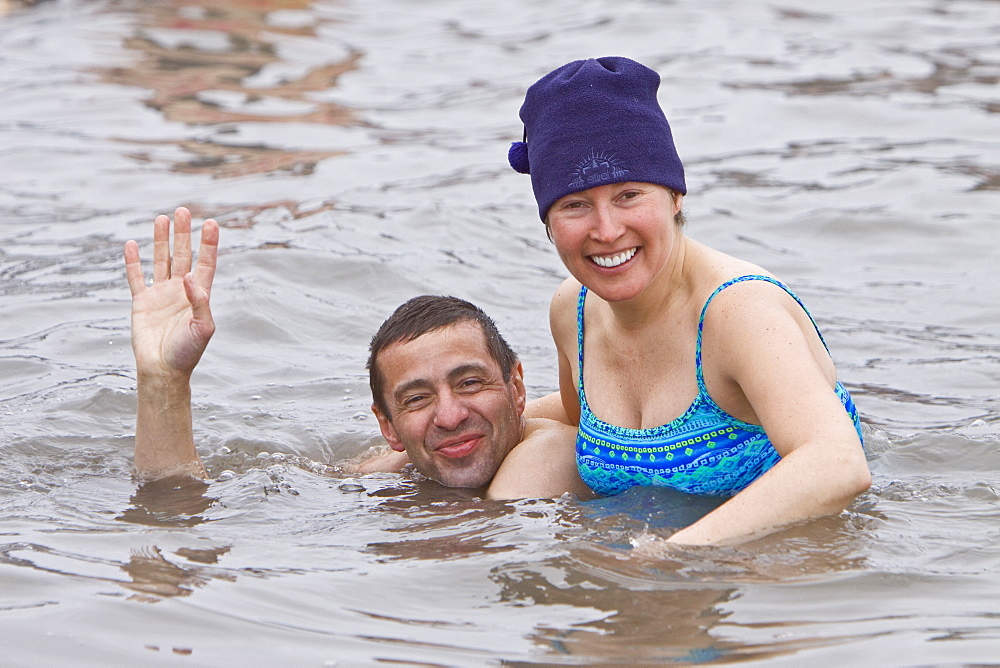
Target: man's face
{"x":450,"y":408}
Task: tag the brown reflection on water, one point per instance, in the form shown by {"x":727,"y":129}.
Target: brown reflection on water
{"x":225,"y":161}
{"x":7,"y":6}
{"x":197,"y":62}
{"x":154,"y":577}
{"x":642,"y":620}
{"x":177,"y":501}
{"x":949,"y":68}
{"x":243,"y":217}
{"x":441,"y":548}
{"x":442,"y":523}
{"x":667,"y":603}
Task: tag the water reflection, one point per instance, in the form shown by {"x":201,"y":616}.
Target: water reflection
{"x":7,"y":6}
{"x":442,"y":523}
{"x":154,"y":577}
{"x":642,"y":618}
{"x":177,"y":501}
{"x":221,"y":63}
{"x":151,"y":576}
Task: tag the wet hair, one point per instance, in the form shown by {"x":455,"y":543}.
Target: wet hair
{"x":428,"y":313}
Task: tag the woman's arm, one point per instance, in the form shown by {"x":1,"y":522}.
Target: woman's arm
{"x":542,"y":465}
{"x":549,"y":407}
{"x":562,"y":323}
{"x":772,"y":361}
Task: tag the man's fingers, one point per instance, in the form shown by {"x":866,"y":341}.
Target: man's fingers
{"x":161,"y":248}
{"x":133,"y":268}
{"x":166,"y":266}
{"x":181,"y":263}
{"x":208,"y":255}
{"x":200,"y":309}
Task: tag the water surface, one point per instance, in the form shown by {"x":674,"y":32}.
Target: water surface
{"x":354,"y":153}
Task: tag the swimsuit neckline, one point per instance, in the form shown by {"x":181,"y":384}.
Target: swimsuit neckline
{"x":703,"y":398}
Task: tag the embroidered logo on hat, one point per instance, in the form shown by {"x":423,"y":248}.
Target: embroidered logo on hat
{"x":597,"y":168}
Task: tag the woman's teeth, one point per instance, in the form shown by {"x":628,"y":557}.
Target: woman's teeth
{"x":613,"y":260}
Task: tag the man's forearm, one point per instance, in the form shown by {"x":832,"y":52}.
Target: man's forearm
{"x":164,"y":441}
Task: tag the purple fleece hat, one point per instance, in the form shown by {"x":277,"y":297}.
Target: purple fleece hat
{"x":593,"y":122}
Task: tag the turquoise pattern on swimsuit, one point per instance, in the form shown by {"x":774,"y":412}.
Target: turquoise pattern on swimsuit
{"x":704,"y":451}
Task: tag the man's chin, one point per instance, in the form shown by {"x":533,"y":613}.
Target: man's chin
{"x":463,"y":478}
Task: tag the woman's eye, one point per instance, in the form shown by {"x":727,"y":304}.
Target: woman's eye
{"x":629,"y":194}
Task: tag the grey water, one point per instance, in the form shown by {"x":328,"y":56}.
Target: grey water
{"x":354,"y":152}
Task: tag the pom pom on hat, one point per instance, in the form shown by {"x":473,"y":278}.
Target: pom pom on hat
{"x":517,"y":156}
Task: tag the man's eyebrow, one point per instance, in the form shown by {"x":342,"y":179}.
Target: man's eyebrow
{"x":417,"y":384}
{"x":466,"y":369}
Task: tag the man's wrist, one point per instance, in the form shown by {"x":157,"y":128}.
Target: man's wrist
{"x":164,"y":380}
{"x":164,"y":389}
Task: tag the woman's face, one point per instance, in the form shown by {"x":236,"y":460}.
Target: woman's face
{"x":616,"y":238}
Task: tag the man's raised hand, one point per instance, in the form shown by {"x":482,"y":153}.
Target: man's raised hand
{"x":171,"y":318}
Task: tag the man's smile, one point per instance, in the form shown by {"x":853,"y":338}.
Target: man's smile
{"x":455,"y":448}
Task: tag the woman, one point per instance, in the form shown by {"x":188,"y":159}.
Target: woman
{"x":682,"y":366}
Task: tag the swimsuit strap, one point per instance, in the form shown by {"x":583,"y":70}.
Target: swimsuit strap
{"x":579,"y":346}
{"x":701,"y":319}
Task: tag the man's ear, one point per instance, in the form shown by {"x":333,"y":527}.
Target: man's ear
{"x":520,"y":393}
{"x":388,"y":431}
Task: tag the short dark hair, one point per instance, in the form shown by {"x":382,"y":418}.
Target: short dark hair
{"x":427,"y":313}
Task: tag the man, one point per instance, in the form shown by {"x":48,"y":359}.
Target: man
{"x":447,"y":390}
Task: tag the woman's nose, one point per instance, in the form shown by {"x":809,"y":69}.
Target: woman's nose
{"x":607,"y":227}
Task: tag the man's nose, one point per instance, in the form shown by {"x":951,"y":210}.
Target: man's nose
{"x":451,"y":411}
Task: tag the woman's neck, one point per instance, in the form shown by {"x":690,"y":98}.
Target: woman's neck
{"x":669,"y":291}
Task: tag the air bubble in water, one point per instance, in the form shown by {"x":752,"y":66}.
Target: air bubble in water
{"x":351,"y":485}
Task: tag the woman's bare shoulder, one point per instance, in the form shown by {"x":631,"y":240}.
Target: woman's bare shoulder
{"x":562,"y":309}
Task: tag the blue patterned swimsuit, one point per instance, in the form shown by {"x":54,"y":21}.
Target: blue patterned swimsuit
{"x":704,"y":451}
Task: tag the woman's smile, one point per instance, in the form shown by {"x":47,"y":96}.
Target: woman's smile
{"x":614,"y":259}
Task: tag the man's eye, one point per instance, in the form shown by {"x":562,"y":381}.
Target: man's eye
{"x":470,"y":384}
{"x":414,"y":400}
{"x":629,"y":194}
